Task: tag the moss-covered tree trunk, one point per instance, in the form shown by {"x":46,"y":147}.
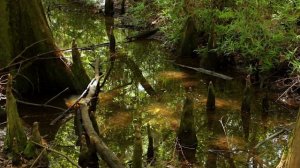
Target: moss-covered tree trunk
{"x":292,"y":159}
{"x":27,"y":45}
{"x":137,"y":161}
{"x":16,"y":139}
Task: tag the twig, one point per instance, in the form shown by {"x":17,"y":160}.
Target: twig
{"x":120,"y":87}
{"x":56,"y":96}
{"x":3,"y":123}
{"x":224,"y":129}
{"x":288,"y":89}
{"x":270,"y":137}
{"x":26,"y":48}
{"x":107,"y":74}
{"x":40,"y":105}
{"x":57,"y":152}
{"x":78,"y":99}
{"x":180,"y":148}
{"x":38,"y":157}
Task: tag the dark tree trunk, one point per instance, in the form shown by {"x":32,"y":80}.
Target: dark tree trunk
{"x":291,"y":159}
{"x":109,"y":8}
{"x":27,"y":45}
{"x":189,"y":40}
{"x":187,"y":140}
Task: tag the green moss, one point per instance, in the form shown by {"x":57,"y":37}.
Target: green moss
{"x":14,"y":125}
{"x":31,"y":149}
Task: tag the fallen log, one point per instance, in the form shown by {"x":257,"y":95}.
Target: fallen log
{"x":208,"y":72}
{"x":143,"y":35}
{"x":87,"y":109}
{"x":108,"y":156}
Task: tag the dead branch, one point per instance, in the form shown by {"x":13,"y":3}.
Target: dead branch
{"x":71,"y":107}
{"x":91,"y":98}
{"x":37,"y":158}
{"x":40,"y":105}
{"x":109,"y":157}
{"x":207,"y":72}
{"x":25,"y":49}
{"x":107,"y":74}
{"x":47,"y":102}
{"x":57,"y":152}
{"x":271,"y":137}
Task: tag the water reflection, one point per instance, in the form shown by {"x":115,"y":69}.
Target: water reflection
{"x":186,"y":141}
{"x":145,"y":90}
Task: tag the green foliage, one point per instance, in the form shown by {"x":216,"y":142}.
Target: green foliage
{"x":259,"y":31}
{"x":140,"y":14}
{"x":294,"y":61}
{"x":173,"y":19}
{"x":265,"y":30}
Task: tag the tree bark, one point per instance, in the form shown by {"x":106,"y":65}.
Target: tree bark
{"x":292,"y":160}
{"x":109,"y":157}
{"x":27,"y":45}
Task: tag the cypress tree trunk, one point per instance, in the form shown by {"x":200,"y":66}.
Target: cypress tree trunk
{"x":27,"y":38}
{"x":15,"y":140}
{"x":246,"y":107}
{"x":291,"y":158}
{"x":137,"y":161}
{"x":109,"y":8}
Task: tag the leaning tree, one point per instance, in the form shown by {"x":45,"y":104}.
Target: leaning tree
{"x":28,"y":50}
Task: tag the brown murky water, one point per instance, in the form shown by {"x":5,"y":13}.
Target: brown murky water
{"x":220,"y":134}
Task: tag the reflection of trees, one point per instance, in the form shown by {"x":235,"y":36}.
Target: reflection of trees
{"x":214,"y":123}
{"x":187,"y":140}
{"x":143,"y":62}
{"x":245,"y":108}
{"x":214,"y":148}
{"x":86,"y":28}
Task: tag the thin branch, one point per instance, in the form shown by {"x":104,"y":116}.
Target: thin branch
{"x":3,"y":123}
{"x":224,"y":129}
{"x":271,"y":137}
{"x":71,"y":107}
{"x":57,"y":152}
{"x":208,"y":72}
{"x":26,"y":48}
{"x":40,"y":105}
{"x":56,"y":96}
{"x":288,"y":88}
{"x":39,"y":156}
{"x":107,"y":74}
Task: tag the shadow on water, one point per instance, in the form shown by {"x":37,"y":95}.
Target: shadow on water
{"x":183,"y":131}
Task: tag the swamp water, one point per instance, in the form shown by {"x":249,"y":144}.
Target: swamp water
{"x":126,"y":110}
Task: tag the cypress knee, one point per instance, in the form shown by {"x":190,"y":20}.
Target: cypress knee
{"x":150,"y":151}
{"x":187,"y":139}
{"x":211,"y":102}
{"x":245,"y":108}
{"x":14,"y":125}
